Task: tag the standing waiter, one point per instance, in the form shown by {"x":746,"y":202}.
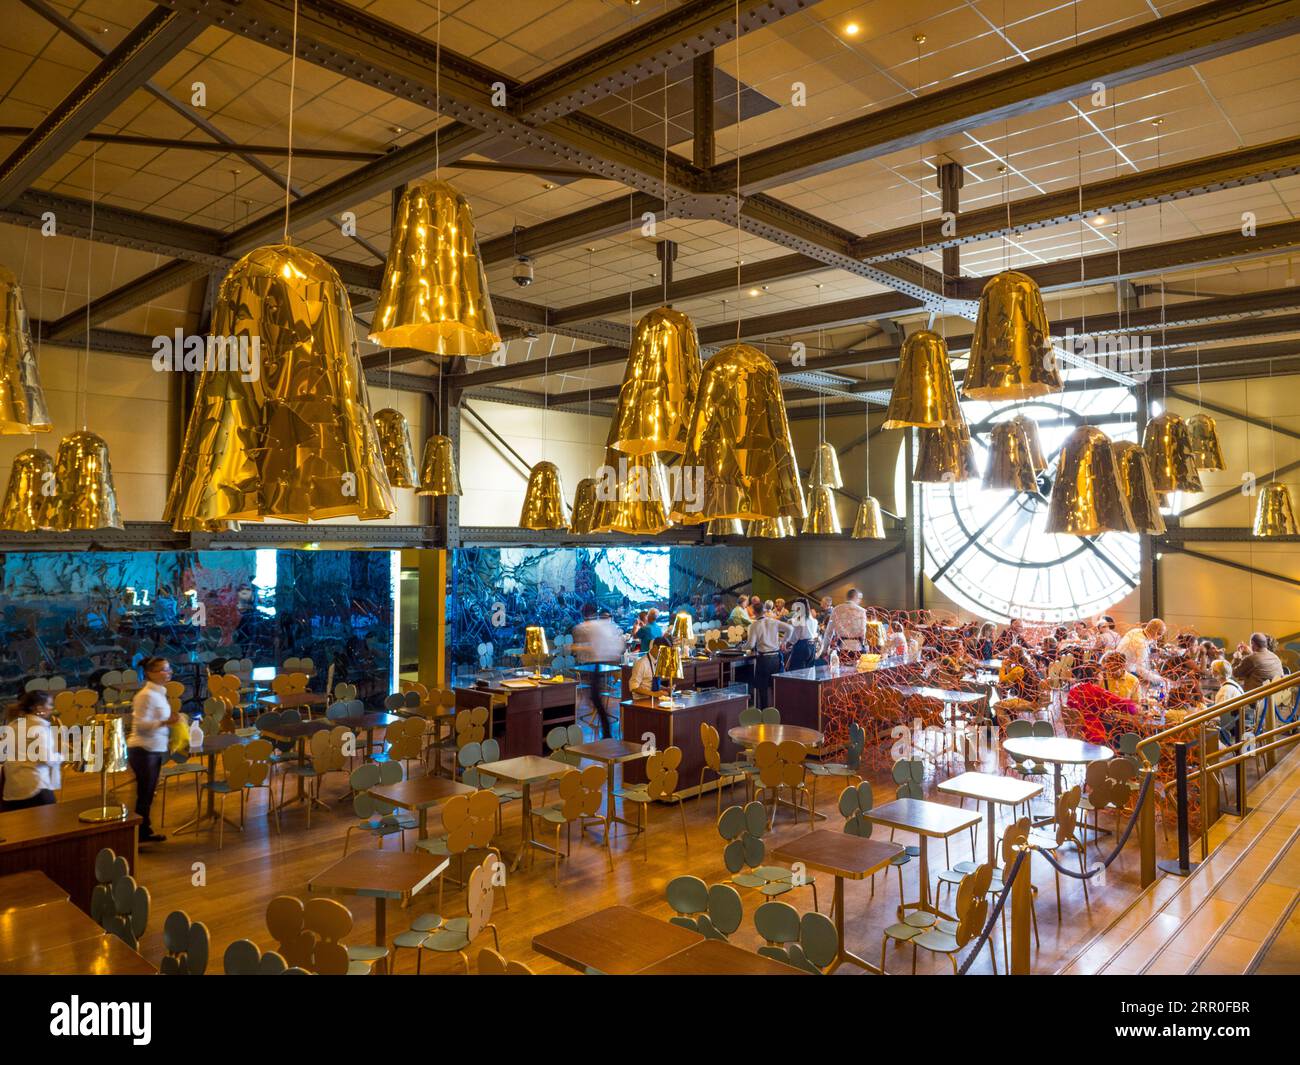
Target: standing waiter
{"x":766,"y":635}
{"x":151,"y":719}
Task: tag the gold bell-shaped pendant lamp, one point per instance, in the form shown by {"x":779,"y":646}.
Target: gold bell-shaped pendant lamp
{"x":1203,"y":434}
{"x":945,"y":455}
{"x":825,"y":467}
{"x":659,"y":385}
{"x":296,"y":439}
{"x":823,"y":518}
{"x":1088,"y":496}
{"x":27,"y":505}
{"x":438,"y":476}
{"x":1169,"y":451}
{"x":22,"y":401}
{"x":1030,"y":427}
{"x":1010,"y":459}
{"x":725,"y":527}
{"x":924,"y":393}
{"x":395,"y":448}
{"x":1135,"y":479}
{"x":868,"y":525}
{"x":85,"y":497}
{"x":584,"y":507}
{"x":1011,"y":353}
{"x":543,"y":499}
{"x":632,"y":496}
{"x":434,"y":295}
{"x":739,"y":441}
{"x":1274,"y":515}
{"x":769,"y":529}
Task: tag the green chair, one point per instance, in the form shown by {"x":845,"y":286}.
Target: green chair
{"x":118,"y":904}
{"x":377,"y":817}
{"x":909,"y":776}
{"x":562,"y":737}
{"x":474,"y":754}
{"x":808,"y":941}
{"x":456,"y":936}
{"x":949,"y":937}
{"x":744,"y":828}
{"x":1022,"y":728}
{"x":855,"y":807}
{"x":850,"y":767}
{"x":244,"y":958}
{"x":768,"y":715}
{"x":715,"y":912}
{"x":186,"y":943}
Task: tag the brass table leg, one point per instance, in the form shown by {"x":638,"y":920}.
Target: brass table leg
{"x":844,"y":956}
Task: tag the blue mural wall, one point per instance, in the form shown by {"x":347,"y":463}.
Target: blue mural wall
{"x":78,"y":614}
{"x":494,"y":593}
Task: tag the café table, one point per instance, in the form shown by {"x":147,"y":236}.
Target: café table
{"x":367,"y":723}
{"x":846,"y":857}
{"x":1056,"y":751}
{"x":210,"y":748}
{"x":753,"y":735}
{"x":421,"y":793}
{"x":293,"y":700}
{"x":611,"y":753}
{"x":994,"y":790}
{"x":21,"y":891}
{"x":926,"y":820}
{"x":525,"y":771}
{"x":102,"y":955}
{"x":615,"y":941}
{"x":299,"y":732}
{"x":716,"y":957}
{"x":40,"y":928}
{"x":381,"y":875}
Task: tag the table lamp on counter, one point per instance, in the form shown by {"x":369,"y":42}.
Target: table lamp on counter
{"x":536,"y":649}
{"x":104,"y":748}
{"x":668,"y":668}
{"x":683,"y":630}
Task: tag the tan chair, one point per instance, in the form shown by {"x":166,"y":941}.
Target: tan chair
{"x":471,"y":725}
{"x":660,"y":786}
{"x":327,"y":755}
{"x":405,"y":740}
{"x":781,"y":765}
{"x":468,"y":823}
{"x":490,"y":963}
{"x":75,"y":706}
{"x":248,"y":766}
{"x":310,"y":937}
{"x":726,"y":772}
{"x":1067,"y":821}
{"x":581,"y":795}
{"x":226,"y":688}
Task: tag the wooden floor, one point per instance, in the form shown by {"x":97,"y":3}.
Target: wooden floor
{"x":228,"y":889}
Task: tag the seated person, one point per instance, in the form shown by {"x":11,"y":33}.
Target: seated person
{"x":1018,"y":676}
{"x":1116,"y":678}
{"x":642,"y":680}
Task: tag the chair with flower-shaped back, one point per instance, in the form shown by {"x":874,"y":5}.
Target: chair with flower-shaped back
{"x":660,"y":786}
{"x":807,"y":941}
{"x":226,"y":688}
{"x":75,"y":706}
{"x":403,"y":740}
{"x":118,"y":904}
{"x":1066,"y":831}
{"x":186,"y":944}
{"x":46,"y":684}
{"x":781,"y":765}
{"x":471,"y":725}
{"x":581,"y":796}
{"x":327,"y":754}
{"x":726,"y":772}
{"x":468,"y":824}
{"x":438,"y":709}
{"x":1022,"y":728}
{"x":715,"y":912}
{"x":856,"y":802}
{"x":851,"y":767}
{"x":177,"y":765}
{"x":1014,"y":837}
{"x":474,"y":754}
{"x":248,"y":766}
{"x":951,"y":937}
{"x":457,"y":935}
{"x":378,"y":817}
{"x":244,"y":958}
{"x":1107,"y":785}
{"x":216,"y":716}
{"x":744,"y":828}
{"x":753,"y":715}
{"x":304,"y":666}
{"x":490,"y":963}
{"x":309,"y":936}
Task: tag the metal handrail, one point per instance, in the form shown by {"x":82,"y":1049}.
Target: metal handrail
{"x":1288,"y":680}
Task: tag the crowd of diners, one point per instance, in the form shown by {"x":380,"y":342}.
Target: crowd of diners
{"x":1145,"y":663}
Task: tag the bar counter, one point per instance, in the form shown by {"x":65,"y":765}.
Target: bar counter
{"x":680,"y":726}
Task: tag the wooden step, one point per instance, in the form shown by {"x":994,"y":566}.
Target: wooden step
{"x":1230,"y":911}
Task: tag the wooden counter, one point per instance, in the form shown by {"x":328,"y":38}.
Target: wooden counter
{"x":53,"y":840}
{"x":800,"y":695}
{"x":680,"y":727}
{"x":521,"y":717}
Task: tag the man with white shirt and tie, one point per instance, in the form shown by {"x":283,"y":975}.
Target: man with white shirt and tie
{"x":766,"y":636}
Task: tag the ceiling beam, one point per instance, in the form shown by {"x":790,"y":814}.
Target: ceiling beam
{"x":1143,"y":51}
{"x":677,"y":36}
{"x":591,"y":223}
{"x":150,"y":45}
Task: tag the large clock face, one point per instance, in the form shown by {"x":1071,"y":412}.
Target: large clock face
{"x":990,"y":551}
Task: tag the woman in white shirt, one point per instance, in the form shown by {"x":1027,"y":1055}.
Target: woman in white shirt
{"x":151,"y":719}
{"x":896,"y":642}
{"x":32,"y":775}
{"x":1229,"y":689}
{"x":803,"y":635}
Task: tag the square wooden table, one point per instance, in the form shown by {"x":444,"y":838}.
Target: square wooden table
{"x":380,"y":875}
{"x":419,"y":794}
{"x":296,"y":699}
{"x":525,"y":771}
{"x":994,"y":790}
{"x":616,"y":941}
{"x":846,"y":857}
{"x":715,"y":957}
{"x":611,"y":753}
{"x":41,"y":928}
{"x":102,"y":955}
{"x":925,"y":820}
{"x":22,"y":891}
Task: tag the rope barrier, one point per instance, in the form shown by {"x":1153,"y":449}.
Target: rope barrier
{"x":994,"y":914}
{"x":1128,"y":831}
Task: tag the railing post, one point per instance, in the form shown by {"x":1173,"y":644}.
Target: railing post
{"x":1147,"y":832}
{"x":1022,"y":904}
{"x":1183,"y":866}
{"x":1240,"y":773}
{"x":1266,"y":725}
{"x":1209,"y":787}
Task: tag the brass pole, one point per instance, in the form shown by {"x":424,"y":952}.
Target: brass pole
{"x":1266,"y":725}
{"x":1209,"y":792}
{"x":1147,"y":834}
{"x":1022,"y":902}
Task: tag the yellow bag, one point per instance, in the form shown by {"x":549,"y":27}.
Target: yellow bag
{"x":180,"y":735}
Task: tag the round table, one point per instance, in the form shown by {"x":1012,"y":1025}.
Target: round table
{"x":1058,"y":751}
{"x":753,"y":735}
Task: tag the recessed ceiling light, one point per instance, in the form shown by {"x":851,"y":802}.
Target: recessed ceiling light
{"x":1100,"y":220}
{"x":753,"y":292}
{"x":852,"y":29}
